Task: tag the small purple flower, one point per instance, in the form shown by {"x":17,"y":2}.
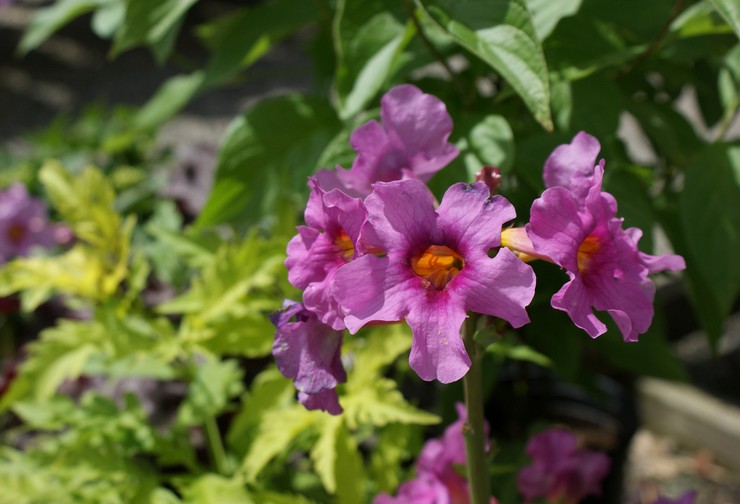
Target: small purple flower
{"x":583,"y":235}
{"x":308,"y":351}
{"x":411,"y":142}
{"x":24,"y":223}
{"x":688,"y":497}
{"x":436,"y":267}
{"x":560,"y":471}
{"x":321,"y":247}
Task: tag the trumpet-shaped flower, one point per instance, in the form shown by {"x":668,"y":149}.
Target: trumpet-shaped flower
{"x":435,"y":267}
{"x":572,"y":165}
{"x":409,"y":142}
{"x":560,"y":471}
{"x":327,"y":242}
{"x":583,"y":235}
{"x":309,"y":352}
{"x":23,"y":223}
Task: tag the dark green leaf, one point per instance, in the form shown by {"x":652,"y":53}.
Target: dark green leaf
{"x":50,"y":19}
{"x":730,"y":10}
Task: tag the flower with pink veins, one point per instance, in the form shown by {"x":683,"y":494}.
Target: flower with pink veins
{"x":560,"y":471}
{"x":309,"y":352}
{"x":606,"y":270}
{"x":435,"y":268}
{"x":327,"y":242}
{"x":23,"y":223}
{"x":409,"y":142}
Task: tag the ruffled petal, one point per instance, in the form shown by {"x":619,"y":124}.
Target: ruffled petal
{"x":556,"y":228}
{"x":574,"y":299}
{"x":324,"y":400}
{"x":571,"y":166}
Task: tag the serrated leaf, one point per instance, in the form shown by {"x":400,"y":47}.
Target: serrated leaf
{"x":730,"y":10}
{"x":215,"y":489}
{"x":396,"y":444}
{"x":277,"y":431}
{"x":338,"y":462}
{"x":257,"y":166}
{"x":214,"y":384}
{"x":502,"y":34}
{"x":380,"y":347}
{"x":379,"y":404}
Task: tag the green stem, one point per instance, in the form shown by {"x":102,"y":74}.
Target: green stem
{"x":215,"y":445}
{"x":475,"y":434}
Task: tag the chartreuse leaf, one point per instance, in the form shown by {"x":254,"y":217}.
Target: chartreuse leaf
{"x":215,"y":489}
{"x":710,"y":224}
{"x":214,"y":384}
{"x":50,"y":19}
{"x":226,"y":307}
{"x":502,"y":34}
{"x":369,"y":38}
{"x":338,"y":462}
{"x":730,"y":10}
{"x":151,"y":24}
{"x":257,"y":168}
{"x":277,"y":431}
{"x":396,"y":444}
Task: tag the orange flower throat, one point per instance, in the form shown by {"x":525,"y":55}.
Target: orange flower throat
{"x":589,"y":246}
{"x":345,"y":246}
{"x":438,"y":265}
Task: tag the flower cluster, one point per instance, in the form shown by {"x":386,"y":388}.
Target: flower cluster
{"x":560,"y":471}
{"x":24,"y":224}
{"x":378,"y":248}
{"x":438,"y":471}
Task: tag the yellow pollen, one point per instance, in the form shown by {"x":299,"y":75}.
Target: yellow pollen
{"x":589,"y":246}
{"x":438,"y":265}
{"x":345,"y":246}
{"x":16,"y":232}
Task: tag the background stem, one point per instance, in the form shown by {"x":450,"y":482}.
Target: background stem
{"x":473,"y":429}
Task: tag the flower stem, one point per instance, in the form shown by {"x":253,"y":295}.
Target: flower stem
{"x":215,"y":445}
{"x":473,"y":429}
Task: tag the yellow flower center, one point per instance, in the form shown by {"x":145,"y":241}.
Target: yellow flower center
{"x":345,"y":246}
{"x":589,"y":246}
{"x":438,"y":265}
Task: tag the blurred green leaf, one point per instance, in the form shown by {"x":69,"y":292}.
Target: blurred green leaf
{"x":338,"y":462}
{"x":215,"y":489}
{"x":502,"y":34}
{"x":267,"y":153}
{"x":547,"y":13}
{"x":730,"y":10}
{"x":50,"y":19}
{"x":214,"y":384}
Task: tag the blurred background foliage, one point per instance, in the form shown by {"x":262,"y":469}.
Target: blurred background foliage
{"x":154,"y":384}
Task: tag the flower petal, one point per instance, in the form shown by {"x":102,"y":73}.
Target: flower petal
{"x":571,"y":166}
{"x":556,"y":228}
{"x":324,"y":400}
{"x":574,"y":299}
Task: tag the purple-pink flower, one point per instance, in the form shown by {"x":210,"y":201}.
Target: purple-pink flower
{"x":688,"y":497}
{"x":309,"y":352}
{"x":438,"y":477}
{"x":435,"y":268}
{"x":24,"y":223}
{"x":322,"y":246}
{"x":574,"y":223}
{"x":409,"y":142}
{"x":560,"y":471}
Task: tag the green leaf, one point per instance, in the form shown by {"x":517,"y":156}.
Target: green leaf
{"x":547,"y":13}
{"x":368,"y":39}
{"x":502,"y":34}
{"x":338,"y":462}
{"x":50,"y":19}
{"x":169,"y":99}
{"x":380,"y":347}
{"x":396,"y":444}
{"x":516,"y":351}
{"x":267,"y":154}
{"x":215,"y":489}
{"x":146,"y":23}
{"x":710,"y":224}
{"x":379,"y":404}
{"x":215,"y":383}
{"x":697,"y":20}
{"x":277,"y":431}
{"x":730,"y":10}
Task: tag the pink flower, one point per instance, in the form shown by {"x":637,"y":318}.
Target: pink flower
{"x":688,"y":497}
{"x":436,"y":267}
{"x":23,"y":223}
{"x":581,"y":233}
{"x":411,"y":142}
{"x":327,"y":242}
{"x":560,"y":472}
{"x":309,"y":352}
{"x":438,"y":479}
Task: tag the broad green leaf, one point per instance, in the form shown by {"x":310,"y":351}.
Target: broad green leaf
{"x":338,"y":462}
{"x":108,"y":17}
{"x":169,"y":99}
{"x":147,"y":23}
{"x":730,"y":10}
{"x":710,"y":224}
{"x":699,"y":19}
{"x":368,"y":40}
{"x":50,"y":19}
{"x":518,"y":352}
{"x":215,"y":489}
{"x":502,"y":34}
{"x":547,"y":13}
{"x":214,"y":384}
{"x":396,"y":444}
{"x":277,"y":431}
{"x":267,"y":155}
{"x":492,"y":142}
